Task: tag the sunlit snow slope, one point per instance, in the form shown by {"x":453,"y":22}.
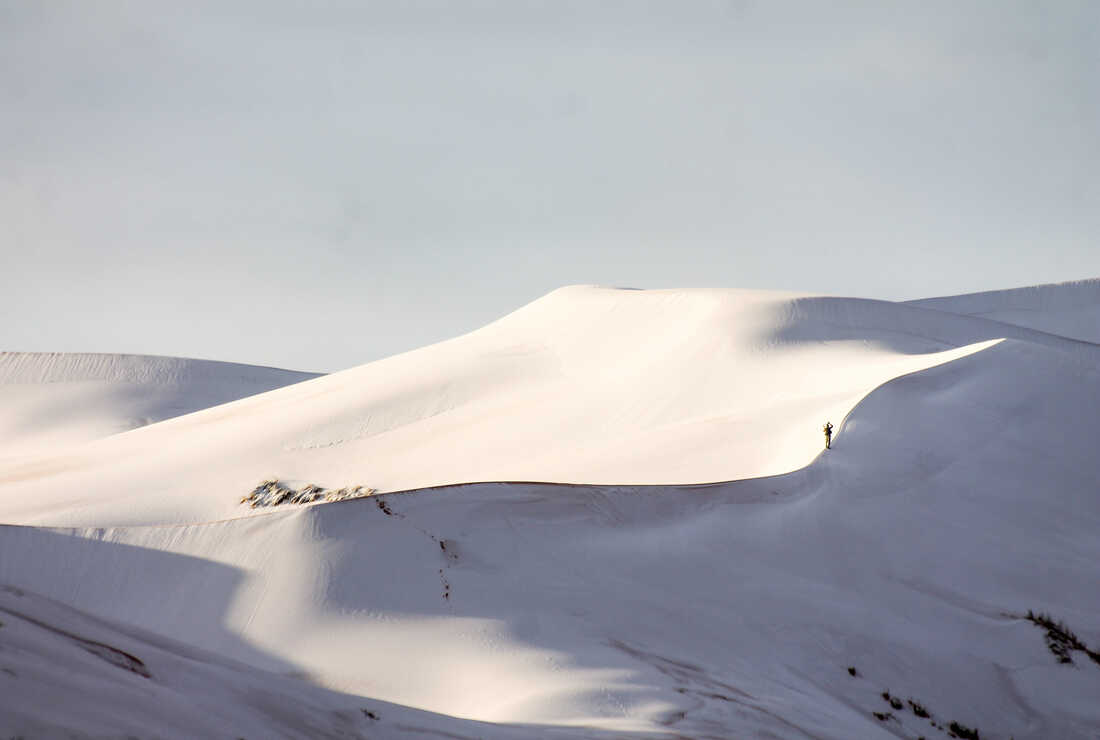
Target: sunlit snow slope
{"x":53,"y":399}
{"x":961,"y":491}
{"x":586,"y":385}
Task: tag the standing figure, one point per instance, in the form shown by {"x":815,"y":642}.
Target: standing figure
{"x":828,"y":429}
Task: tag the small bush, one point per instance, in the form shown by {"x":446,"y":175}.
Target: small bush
{"x":894,"y":701}
{"x":274,"y":492}
{"x":962,"y":731}
{"x":1060,"y":639}
{"x":852,"y":671}
{"x":918,"y":709}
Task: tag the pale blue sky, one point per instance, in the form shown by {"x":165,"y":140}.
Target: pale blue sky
{"x":316,"y":185}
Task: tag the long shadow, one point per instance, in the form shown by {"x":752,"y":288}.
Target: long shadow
{"x":182,"y":596}
{"x":190,"y":596}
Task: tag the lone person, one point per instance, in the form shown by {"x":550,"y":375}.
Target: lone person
{"x":828,"y":429}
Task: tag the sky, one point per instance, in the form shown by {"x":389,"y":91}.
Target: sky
{"x":318,"y":185}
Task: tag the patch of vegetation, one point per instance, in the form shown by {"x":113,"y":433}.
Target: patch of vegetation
{"x":955,"y":729}
{"x":369,"y":714}
{"x":275,"y":492}
{"x":963,"y":732}
{"x":1060,"y":639}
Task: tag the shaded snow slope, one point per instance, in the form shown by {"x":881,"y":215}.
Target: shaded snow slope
{"x":51,"y":400}
{"x":1069,"y":309}
{"x":109,"y":680}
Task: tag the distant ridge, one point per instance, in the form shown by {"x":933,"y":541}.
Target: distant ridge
{"x":55,"y":367}
{"x":52,"y":399}
{"x":1070,"y":309}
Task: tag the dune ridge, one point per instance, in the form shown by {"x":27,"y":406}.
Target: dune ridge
{"x":51,"y":400}
{"x":782,"y":600}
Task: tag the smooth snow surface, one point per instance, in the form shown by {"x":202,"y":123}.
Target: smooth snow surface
{"x":95,"y":686}
{"x":586,"y":385}
{"x":51,"y":399}
{"x":1069,"y":309}
{"x":644,"y":600}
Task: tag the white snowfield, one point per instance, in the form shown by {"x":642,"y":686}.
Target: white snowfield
{"x":52,"y":399}
{"x":632,"y":592}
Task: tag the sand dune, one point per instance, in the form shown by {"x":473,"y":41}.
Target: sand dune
{"x":50,"y":400}
{"x":1069,"y":309}
{"x":648,"y":601}
{"x":586,"y":385}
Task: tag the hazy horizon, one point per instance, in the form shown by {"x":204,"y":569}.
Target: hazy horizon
{"x":314,"y":188}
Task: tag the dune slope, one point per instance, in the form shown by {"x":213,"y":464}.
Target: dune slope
{"x":586,"y":385}
{"x":108,"y":680}
{"x":50,"y":400}
{"x":1069,"y":309}
{"x":960,"y":493}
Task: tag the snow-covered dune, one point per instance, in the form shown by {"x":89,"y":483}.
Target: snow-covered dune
{"x":105,"y":680}
{"x":961,"y":492}
{"x":586,"y":385}
{"x":910,"y":552}
{"x":1069,"y":309}
{"x":49,"y":400}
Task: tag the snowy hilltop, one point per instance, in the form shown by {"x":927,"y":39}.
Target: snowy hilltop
{"x":608,"y":514}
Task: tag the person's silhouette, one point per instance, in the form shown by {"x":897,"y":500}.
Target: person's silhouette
{"x":828,"y":429}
